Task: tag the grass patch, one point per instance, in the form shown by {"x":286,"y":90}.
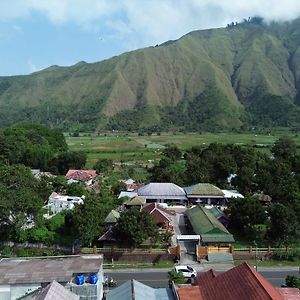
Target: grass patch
{"x":269,"y":263}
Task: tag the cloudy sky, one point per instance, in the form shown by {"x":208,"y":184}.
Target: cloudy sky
{"x":35,"y":34}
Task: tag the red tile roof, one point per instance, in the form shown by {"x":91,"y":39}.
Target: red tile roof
{"x":241,"y":282}
{"x":81,"y":175}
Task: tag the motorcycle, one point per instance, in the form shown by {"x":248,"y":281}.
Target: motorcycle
{"x":109,"y":282}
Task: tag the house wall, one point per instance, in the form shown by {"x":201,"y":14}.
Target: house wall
{"x":12,"y":292}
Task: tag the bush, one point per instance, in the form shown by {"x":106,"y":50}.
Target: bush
{"x":178,"y":278}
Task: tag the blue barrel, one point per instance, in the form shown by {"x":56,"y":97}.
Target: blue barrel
{"x":80,"y":279}
{"x":93,"y":278}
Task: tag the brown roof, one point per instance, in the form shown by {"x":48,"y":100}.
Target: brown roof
{"x":157,"y":212}
{"x":46,"y":269}
{"x":107,"y":236}
{"x":251,"y":285}
{"x":81,"y":175}
{"x":151,"y":206}
{"x":189,"y":293}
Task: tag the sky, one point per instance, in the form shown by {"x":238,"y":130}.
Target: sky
{"x":35,"y":34}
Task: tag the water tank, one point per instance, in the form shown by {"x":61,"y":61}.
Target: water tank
{"x":93,"y":278}
{"x":80,"y":279}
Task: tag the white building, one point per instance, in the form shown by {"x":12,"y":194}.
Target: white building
{"x":58,"y":203}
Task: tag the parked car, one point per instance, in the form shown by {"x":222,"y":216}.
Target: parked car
{"x":187,"y":271}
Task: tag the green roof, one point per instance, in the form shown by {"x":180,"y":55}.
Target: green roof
{"x":217,"y":238}
{"x":204,"y":189}
{"x":204,"y":222}
{"x":217,"y":212}
{"x":112,"y":217}
{"x":137,"y":200}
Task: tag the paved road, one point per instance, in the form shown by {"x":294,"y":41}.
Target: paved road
{"x":159,"y":278}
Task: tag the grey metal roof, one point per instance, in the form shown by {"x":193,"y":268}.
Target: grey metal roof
{"x":47,"y":269}
{"x":164,"y":190}
{"x":53,"y":291}
{"x":136,"y":290}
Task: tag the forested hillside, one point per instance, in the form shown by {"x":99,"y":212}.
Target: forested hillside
{"x":243,"y":75}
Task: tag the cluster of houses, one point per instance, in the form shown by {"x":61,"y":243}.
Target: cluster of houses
{"x":58,"y":202}
{"x":204,"y":218}
{"x":82,"y":278}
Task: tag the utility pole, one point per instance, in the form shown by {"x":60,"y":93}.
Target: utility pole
{"x":255,"y":244}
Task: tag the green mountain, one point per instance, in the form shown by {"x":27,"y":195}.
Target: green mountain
{"x":245,"y":74}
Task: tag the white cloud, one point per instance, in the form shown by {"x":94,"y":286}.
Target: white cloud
{"x":32,"y":67}
{"x":145,"y":22}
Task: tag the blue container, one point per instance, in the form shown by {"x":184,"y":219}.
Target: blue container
{"x":93,"y":279}
{"x":80,"y":279}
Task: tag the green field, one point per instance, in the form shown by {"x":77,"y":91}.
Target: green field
{"x":133,"y":148}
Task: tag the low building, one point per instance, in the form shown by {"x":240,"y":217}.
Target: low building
{"x":163,"y":193}
{"x":205,"y":193}
{"x":241,"y":282}
{"x":58,"y":203}
{"x":137,"y":201}
{"x":219,"y":215}
{"x":84,"y":176}
{"x":205,"y":224}
{"x":112,"y":218}
{"x":52,"y":291}
{"x":135,"y":290}
{"x":82,"y":275}
{"x":160,"y":215}
{"x":127,"y":194}
{"x":131,"y":185}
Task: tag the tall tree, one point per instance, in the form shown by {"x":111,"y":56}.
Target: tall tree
{"x":135,"y":226}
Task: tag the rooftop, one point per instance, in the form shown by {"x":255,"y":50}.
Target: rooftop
{"x":220,"y":286}
{"x":134,"y":290}
{"x":204,"y":222}
{"x":204,"y":189}
{"x":53,"y":291}
{"x":165,"y":190}
{"x":48,"y":268}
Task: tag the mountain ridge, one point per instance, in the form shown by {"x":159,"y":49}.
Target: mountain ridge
{"x":242,"y":64}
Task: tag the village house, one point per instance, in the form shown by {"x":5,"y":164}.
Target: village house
{"x":205,"y":193}
{"x":84,"y":176}
{"x":82,"y":275}
{"x":241,"y":282}
{"x":163,"y":193}
{"x":57,"y":203}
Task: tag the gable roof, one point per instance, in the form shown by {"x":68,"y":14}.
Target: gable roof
{"x":164,"y":190}
{"x":54,"y":291}
{"x":137,"y":200}
{"x":203,"y":189}
{"x":112,"y":217}
{"x":135,"y":290}
{"x":241,"y":282}
{"x":81,"y":175}
{"x":158,"y":213}
{"x":251,"y":285}
{"x":204,"y":222}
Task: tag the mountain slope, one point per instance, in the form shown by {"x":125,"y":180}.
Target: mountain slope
{"x":244,"y":65}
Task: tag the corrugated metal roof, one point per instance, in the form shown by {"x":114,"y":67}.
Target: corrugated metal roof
{"x":54,"y":291}
{"x":127,"y":194}
{"x":203,"y":189}
{"x":136,"y":290}
{"x":232,"y":194}
{"x":217,"y":238}
{"x":165,"y":190}
{"x":46,"y":269}
{"x":218,"y":213}
{"x":204,"y":222}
